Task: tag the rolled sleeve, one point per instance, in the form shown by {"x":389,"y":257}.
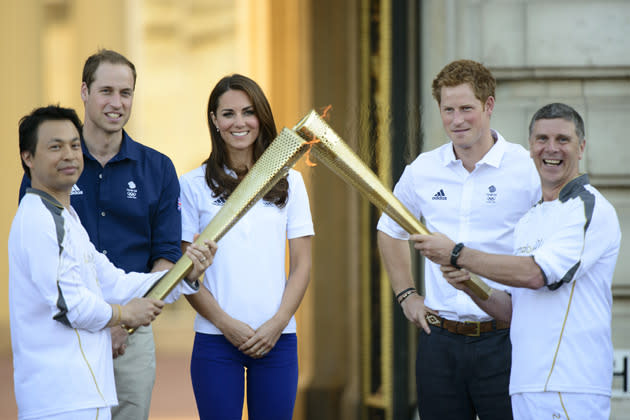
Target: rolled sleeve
{"x":560,"y":256}
{"x":403,"y":191}
{"x":166,"y":226}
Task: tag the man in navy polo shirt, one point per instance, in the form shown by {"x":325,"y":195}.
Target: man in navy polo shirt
{"x":127,"y":199}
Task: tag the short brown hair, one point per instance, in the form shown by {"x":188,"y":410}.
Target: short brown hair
{"x":104,"y":56}
{"x":458,"y":72}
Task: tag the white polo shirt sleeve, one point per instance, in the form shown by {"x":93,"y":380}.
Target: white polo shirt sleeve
{"x":299,"y":219}
{"x":576,"y":244}
{"x":192,"y":185}
{"x":560,"y":256}
{"x":404,"y":191}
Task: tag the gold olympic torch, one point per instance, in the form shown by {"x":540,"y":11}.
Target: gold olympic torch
{"x":283,"y":152}
{"x":336,"y":154}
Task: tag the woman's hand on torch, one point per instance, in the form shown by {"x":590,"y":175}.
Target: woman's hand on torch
{"x":201,"y":257}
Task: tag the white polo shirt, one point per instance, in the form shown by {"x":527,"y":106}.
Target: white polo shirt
{"x":478,"y":208}
{"x":561,"y":334}
{"x":59,"y":289}
{"x":247,"y":276}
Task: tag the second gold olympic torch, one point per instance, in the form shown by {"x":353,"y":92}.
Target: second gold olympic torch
{"x":283,"y":152}
{"x":344,"y":162}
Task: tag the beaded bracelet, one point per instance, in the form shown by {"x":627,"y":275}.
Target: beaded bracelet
{"x":406,"y":295}
{"x":404,"y":291}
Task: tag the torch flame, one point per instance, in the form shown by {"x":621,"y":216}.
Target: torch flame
{"x":310,"y":143}
{"x":325,"y":112}
{"x":314,"y":139}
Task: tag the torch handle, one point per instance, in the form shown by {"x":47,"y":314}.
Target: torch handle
{"x":479,"y":287}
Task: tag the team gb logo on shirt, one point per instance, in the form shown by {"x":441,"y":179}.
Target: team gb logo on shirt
{"x":491,"y":195}
{"x":132,"y":190}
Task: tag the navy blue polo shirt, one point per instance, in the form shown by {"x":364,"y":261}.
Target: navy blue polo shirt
{"x":130,"y":207}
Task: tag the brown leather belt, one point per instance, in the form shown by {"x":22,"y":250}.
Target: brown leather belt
{"x":470,"y":328}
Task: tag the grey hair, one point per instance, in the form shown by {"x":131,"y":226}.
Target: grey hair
{"x":559,"y":110}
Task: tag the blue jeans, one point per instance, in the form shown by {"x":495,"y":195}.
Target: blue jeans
{"x":460,"y":377}
{"x":218,"y":371}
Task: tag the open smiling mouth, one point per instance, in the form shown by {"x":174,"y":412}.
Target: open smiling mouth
{"x":552,"y":162}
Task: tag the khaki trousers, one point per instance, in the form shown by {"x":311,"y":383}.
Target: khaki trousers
{"x":135,"y":375}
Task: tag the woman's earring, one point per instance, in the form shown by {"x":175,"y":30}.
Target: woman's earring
{"x":217,"y":129}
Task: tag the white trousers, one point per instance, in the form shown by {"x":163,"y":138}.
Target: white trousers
{"x":102,"y":413}
{"x":560,"y":405}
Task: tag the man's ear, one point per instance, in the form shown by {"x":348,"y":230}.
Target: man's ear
{"x":27,"y":157}
{"x":489,"y":105}
{"x":84,"y":91}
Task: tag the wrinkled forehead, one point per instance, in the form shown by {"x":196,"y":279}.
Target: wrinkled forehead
{"x":554,"y":126}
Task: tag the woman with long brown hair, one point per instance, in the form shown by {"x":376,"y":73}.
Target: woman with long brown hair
{"x":245,"y":326}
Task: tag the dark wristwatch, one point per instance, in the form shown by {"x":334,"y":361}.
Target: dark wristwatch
{"x":457,"y":249}
{"x":194,"y":284}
